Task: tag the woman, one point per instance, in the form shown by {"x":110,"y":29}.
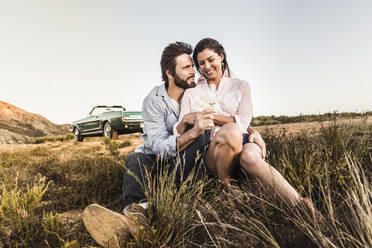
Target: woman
{"x":230,"y":100}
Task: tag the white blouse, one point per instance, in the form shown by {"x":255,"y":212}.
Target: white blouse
{"x":232,"y":98}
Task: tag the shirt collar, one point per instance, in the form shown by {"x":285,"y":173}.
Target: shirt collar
{"x":203,"y":80}
{"x":163,"y":93}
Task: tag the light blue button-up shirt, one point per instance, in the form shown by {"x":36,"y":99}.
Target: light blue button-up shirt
{"x":158,"y":120}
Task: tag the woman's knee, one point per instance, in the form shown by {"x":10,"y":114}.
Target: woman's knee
{"x":250,"y":155}
{"x":230,"y":134}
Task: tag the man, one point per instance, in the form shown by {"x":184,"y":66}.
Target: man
{"x":160,"y":112}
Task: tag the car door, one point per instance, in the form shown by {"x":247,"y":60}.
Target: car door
{"x":91,"y":124}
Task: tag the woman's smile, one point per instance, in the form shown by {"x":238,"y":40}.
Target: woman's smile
{"x":210,"y":64}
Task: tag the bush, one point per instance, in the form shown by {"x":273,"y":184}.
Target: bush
{"x":173,"y":209}
{"x":282,"y":119}
{"x":19,"y":225}
{"x":81,"y":181}
{"x":126,"y":143}
{"x":48,"y":138}
{"x":112,"y":146}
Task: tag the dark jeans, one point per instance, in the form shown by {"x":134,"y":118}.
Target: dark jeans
{"x":245,"y":138}
{"x":139,"y":163}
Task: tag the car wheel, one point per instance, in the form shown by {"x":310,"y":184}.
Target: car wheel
{"x":77,"y":135}
{"x":107,"y":130}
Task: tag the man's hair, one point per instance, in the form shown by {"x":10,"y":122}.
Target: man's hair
{"x":168,"y":58}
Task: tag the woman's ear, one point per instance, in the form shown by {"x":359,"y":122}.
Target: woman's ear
{"x":221,"y":57}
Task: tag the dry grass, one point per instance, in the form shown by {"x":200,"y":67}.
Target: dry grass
{"x":46,"y":186}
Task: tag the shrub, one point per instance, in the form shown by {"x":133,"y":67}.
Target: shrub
{"x":49,"y":138}
{"x":112,"y":146}
{"x":125,"y":143}
{"x":270,"y":120}
{"x":19,"y":224}
{"x":172,"y":208}
{"x":81,"y":181}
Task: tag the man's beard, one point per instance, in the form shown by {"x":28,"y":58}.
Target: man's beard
{"x":183,"y":83}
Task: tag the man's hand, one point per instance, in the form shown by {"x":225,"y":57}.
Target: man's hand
{"x":203,"y":121}
{"x":255,"y":137}
{"x":190,"y":118}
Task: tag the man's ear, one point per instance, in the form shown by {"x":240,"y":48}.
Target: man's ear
{"x":169,"y":75}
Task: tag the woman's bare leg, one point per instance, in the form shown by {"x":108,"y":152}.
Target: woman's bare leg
{"x":253,"y":164}
{"x":223,"y":152}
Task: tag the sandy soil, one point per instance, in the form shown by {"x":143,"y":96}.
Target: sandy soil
{"x":297,"y":127}
{"x":71,"y":147}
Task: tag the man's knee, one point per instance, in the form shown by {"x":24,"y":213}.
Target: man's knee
{"x":138,"y":163}
{"x":137,"y":159}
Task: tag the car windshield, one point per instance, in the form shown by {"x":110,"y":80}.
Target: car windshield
{"x":100,"y":110}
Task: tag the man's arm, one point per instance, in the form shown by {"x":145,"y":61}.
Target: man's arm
{"x":200,"y":124}
{"x":154,"y":113}
{"x":155,"y":128}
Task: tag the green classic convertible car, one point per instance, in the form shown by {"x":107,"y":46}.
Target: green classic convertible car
{"x":108,"y":121}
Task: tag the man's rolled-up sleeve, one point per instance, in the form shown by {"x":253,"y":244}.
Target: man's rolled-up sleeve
{"x":156,"y":130}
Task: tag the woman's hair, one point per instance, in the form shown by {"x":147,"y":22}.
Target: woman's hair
{"x":215,"y":46}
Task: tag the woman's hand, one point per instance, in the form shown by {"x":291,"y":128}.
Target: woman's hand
{"x":255,"y":137}
{"x":189,"y":119}
{"x":203,"y":120}
{"x":221,"y":120}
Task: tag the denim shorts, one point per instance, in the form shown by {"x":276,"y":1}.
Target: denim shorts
{"x":245,"y":138}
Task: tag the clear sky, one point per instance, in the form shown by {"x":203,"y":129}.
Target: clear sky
{"x":61,"y":58}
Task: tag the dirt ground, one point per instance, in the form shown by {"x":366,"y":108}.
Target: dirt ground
{"x":135,"y":139}
{"x":297,"y":127}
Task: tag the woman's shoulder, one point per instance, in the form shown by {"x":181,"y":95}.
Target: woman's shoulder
{"x":195,"y":90}
{"x":237,"y":82}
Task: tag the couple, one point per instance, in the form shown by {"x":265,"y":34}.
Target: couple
{"x":183,"y":120}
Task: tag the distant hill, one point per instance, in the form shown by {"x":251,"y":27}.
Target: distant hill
{"x":20,"y":126}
